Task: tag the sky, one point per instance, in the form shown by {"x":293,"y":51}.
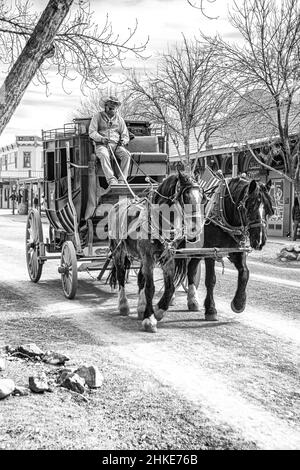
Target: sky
{"x":163,"y":21}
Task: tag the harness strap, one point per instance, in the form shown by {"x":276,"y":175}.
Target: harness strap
{"x":217,"y":217}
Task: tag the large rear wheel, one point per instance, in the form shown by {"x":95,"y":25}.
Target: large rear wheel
{"x":34,"y":245}
{"x":68,"y":270}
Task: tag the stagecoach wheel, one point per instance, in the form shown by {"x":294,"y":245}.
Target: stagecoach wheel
{"x":68,"y":270}
{"x":33,"y":239}
{"x":197,"y":279}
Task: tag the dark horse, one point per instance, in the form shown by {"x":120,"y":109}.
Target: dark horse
{"x":171,"y":214}
{"x":238,"y":214}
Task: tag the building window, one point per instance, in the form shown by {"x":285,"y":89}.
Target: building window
{"x":16,"y":159}
{"x":5,"y":162}
{"x":27,"y":159}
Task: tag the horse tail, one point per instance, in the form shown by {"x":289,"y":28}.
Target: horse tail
{"x":119,"y":259}
{"x":180,"y":271}
{"x":112,"y":278}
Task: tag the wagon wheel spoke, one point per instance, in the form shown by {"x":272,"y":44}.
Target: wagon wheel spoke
{"x":34,"y":237}
{"x":69,"y":270}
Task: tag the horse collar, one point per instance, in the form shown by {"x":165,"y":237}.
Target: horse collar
{"x":218,"y":216}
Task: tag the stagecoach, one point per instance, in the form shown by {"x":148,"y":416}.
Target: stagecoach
{"x":76,"y":197}
{"x":77,"y":201}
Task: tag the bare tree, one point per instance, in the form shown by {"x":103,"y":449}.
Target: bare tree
{"x":268,"y":61}
{"x":66,"y":40}
{"x":202,"y":5}
{"x":184,"y":95}
{"x":130,"y":107}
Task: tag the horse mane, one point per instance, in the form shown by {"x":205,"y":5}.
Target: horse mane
{"x":167,"y":188}
{"x":237,"y":187}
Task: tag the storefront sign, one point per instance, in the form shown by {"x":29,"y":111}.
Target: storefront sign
{"x":275,"y":223}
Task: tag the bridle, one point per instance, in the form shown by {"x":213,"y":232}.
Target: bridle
{"x":240,"y":233}
{"x":257,"y":223}
{"x":177,"y":199}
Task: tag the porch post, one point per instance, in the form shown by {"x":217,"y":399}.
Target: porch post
{"x":235,"y":161}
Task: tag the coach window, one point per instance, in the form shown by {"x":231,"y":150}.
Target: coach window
{"x":26,"y":159}
{"x":228,"y":166}
{"x":50,"y":175}
{"x":63,"y":162}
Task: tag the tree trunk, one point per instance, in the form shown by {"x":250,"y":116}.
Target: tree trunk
{"x":37,"y":48}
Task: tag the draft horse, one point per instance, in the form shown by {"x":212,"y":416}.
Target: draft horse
{"x":177,"y":201}
{"x":238,"y":215}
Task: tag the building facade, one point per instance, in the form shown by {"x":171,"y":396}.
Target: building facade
{"x":21,"y":172}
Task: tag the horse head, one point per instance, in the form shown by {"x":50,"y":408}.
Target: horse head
{"x":258,"y":206}
{"x":180,"y":195}
{"x":190,"y":196}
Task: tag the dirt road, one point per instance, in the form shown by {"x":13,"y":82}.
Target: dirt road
{"x":193,"y":385}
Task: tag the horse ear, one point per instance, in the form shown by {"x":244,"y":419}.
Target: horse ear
{"x":252,"y":186}
{"x":268,"y":185}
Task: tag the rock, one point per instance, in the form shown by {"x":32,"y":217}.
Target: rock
{"x":39,"y":383}
{"x":92,"y":376}
{"x":298,"y":257}
{"x":291,"y":256}
{"x":289,"y":248}
{"x":284,"y":260}
{"x":283,"y":252}
{"x":297,"y":249}
{"x":31,"y":350}
{"x":10,"y":349}
{"x":74,"y":382}
{"x":21,"y":391}
{"x":63,"y":374}
{"x":7,"y":386}
{"x":54,"y":358}
{"x":3,"y":364}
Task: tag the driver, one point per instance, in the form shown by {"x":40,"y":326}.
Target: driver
{"x":108,"y":129}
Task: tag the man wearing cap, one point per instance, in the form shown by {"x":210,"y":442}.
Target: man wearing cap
{"x":108,"y":130}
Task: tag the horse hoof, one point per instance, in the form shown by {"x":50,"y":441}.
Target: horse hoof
{"x":149,"y":325}
{"x":193,"y":306}
{"x":211,"y":317}
{"x":159,"y":313}
{"x":124,"y":310}
{"x":140,"y":312}
{"x":236,"y":310}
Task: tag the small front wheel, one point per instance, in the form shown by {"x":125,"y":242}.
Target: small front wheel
{"x":68,"y":270}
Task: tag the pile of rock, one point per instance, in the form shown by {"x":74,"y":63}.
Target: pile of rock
{"x":289,"y":253}
{"x":77,"y":380}
{"x":33,"y":352}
